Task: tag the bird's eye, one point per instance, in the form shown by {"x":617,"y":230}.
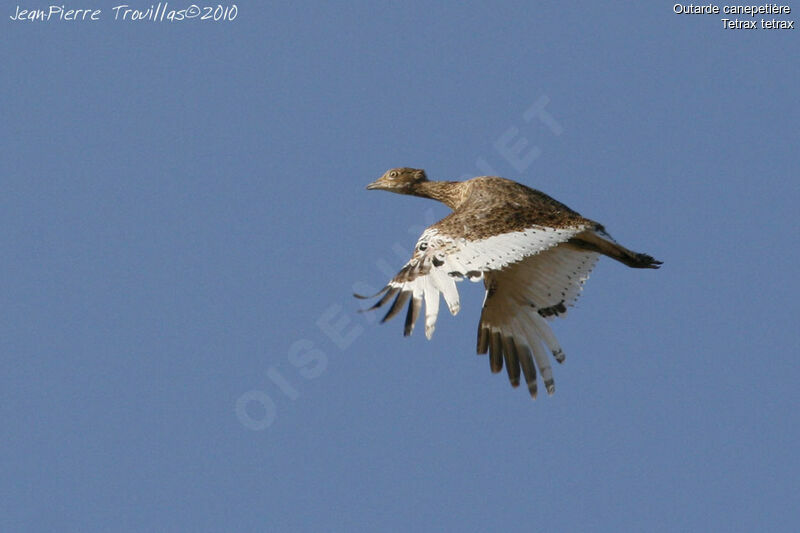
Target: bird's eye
{"x":393,"y":174}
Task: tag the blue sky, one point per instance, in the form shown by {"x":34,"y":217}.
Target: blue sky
{"x":184,"y":221}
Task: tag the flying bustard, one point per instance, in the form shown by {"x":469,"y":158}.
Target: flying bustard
{"x":532,"y":252}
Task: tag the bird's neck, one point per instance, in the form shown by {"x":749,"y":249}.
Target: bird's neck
{"x":447,"y":192}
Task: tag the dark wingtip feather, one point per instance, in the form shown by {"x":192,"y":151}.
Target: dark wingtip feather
{"x":495,"y":352}
{"x":386,"y":297}
{"x":528,"y":369}
{"x":362,"y":297}
{"x":533,"y":389}
{"x":483,"y":340}
{"x":512,"y":360}
{"x":389,"y":290}
{"x":398,"y":304}
{"x":411,"y":316}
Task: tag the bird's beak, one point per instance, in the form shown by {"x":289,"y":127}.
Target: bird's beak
{"x":374,"y":185}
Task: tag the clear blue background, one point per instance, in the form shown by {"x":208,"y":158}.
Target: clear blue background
{"x":182,"y":203}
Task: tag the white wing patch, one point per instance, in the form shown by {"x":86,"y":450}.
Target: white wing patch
{"x":498,"y":251}
{"x":513,"y":328}
{"x":441,"y":260}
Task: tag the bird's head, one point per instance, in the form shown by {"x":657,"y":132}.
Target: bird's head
{"x":400,"y":180}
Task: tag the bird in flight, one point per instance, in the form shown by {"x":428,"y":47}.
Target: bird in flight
{"x":532,"y":252}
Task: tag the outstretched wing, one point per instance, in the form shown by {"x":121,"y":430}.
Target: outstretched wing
{"x":440,"y":259}
{"x":513,"y":326}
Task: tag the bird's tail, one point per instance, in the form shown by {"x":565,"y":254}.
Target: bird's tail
{"x":599,"y":241}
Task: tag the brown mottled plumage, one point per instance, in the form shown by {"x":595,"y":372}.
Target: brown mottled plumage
{"x":532,"y":252}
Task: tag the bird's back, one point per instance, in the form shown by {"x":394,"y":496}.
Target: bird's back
{"x":492,"y":206}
